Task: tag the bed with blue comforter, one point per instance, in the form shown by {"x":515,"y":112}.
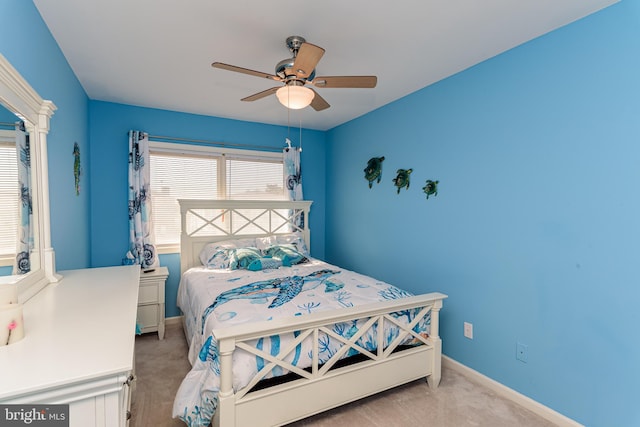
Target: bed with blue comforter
{"x":258,"y":308}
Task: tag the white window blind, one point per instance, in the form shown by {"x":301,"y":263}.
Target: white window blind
{"x":178,"y":176}
{"x":254,"y":180}
{"x":9,"y":199}
{"x":180,"y":171}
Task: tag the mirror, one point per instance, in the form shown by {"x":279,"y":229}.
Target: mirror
{"x":19,"y":98}
{"x":14,"y":203}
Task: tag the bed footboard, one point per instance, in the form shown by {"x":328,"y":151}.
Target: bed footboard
{"x":327,"y":385}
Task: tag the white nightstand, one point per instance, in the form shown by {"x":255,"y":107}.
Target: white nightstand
{"x":151,"y":300}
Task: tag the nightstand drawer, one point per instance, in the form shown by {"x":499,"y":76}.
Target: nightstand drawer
{"x":148,"y":316}
{"x":148,"y":293}
{"x":151,"y":300}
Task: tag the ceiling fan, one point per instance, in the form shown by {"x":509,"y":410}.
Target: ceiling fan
{"x":298,"y":71}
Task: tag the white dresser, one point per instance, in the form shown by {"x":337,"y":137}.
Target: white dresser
{"x":78,"y":347}
{"x":151,"y":300}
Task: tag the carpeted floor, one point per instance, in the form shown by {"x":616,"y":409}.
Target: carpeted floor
{"x":458,"y":402}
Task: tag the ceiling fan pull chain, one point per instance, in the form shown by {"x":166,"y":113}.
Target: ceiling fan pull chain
{"x":288,"y":138}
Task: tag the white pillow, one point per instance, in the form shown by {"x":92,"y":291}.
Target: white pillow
{"x":263,"y":243}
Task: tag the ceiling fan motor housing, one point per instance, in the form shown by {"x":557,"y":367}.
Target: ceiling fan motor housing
{"x":284,"y":70}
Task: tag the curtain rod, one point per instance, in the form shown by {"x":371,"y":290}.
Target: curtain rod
{"x":221,"y":144}
{"x":7,"y":123}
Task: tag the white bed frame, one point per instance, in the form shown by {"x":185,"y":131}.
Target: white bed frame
{"x":320,"y":388}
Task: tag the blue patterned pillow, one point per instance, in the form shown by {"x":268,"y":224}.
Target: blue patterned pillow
{"x":285,"y":253}
{"x":264,"y":264}
{"x":294,"y":239}
{"x":241,"y":258}
{"x":216,"y":254}
{"x":219,"y":259}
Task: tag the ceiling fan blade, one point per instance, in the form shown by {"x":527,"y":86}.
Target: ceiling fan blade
{"x":228,"y":67}
{"x":318,"y":103}
{"x":262,"y":94}
{"x":306,"y":60}
{"x":346,"y":81}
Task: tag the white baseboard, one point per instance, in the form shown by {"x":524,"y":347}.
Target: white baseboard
{"x":507,"y":393}
{"x":173,"y":320}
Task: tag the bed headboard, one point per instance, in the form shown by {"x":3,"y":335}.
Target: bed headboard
{"x":206,"y":221}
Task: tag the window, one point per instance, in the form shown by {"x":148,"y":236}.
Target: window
{"x":9,"y":197}
{"x":254,"y":179}
{"x":180,"y":171}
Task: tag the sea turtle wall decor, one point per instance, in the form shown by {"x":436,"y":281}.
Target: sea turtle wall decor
{"x":402,"y":178}
{"x":430,"y":188}
{"x":373,"y":171}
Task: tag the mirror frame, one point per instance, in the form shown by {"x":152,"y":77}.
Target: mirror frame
{"x":21,"y":99}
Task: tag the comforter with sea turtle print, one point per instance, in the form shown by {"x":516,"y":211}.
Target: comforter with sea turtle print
{"x":213,"y":299}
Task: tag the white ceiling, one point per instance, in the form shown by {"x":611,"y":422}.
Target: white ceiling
{"x":157,"y":53}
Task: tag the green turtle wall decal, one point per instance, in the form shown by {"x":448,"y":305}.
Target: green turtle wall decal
{"x":402,"y":178}
{"x":430,"y":188}
{"x":373,"y":171}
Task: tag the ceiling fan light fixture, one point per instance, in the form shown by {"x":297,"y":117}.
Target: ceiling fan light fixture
{"x":295,"y":97}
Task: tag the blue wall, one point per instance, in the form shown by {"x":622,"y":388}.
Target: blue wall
{"x":109,"y":153}
{"x":535,"y":232}
{"x":27,"y":43}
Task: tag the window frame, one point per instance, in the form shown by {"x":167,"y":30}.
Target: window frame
{"x":221,"y":154}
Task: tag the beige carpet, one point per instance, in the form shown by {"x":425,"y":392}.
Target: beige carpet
{"x":161,"y":365}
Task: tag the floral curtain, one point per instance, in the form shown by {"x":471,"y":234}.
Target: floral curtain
{"x":142,"y":248}
{"x":25,"y":239}
{"x":293,"y":177}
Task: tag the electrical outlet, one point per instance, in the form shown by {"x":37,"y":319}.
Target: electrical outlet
{"x":522,"y":352}
{"x":468,"y":330}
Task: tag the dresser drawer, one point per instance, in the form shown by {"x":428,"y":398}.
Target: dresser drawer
{"x":148,"y":316}
{"x":148,"y":293}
